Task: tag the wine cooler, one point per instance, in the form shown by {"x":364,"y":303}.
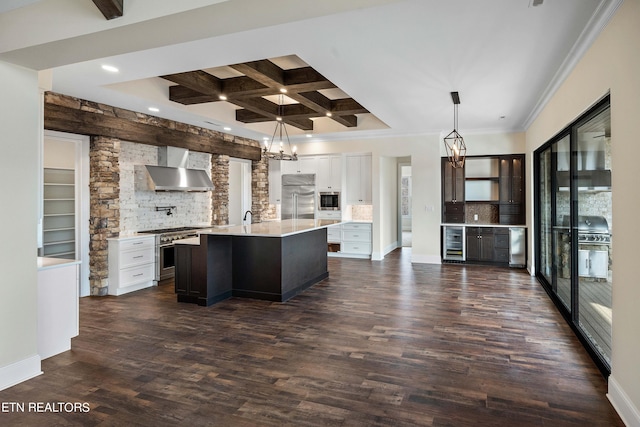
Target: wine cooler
{"x":453,"y":243}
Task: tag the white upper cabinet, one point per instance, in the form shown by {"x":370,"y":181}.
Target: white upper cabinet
{"x":303,"y":165}
{"x":329,"y":174}
{"x":358,"y":179}
{"x":275,"y":181}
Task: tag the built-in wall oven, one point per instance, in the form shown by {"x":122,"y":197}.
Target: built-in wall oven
{"x":329,"y":201}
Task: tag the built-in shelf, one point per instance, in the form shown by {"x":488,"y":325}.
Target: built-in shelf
{"x":59,"y":234}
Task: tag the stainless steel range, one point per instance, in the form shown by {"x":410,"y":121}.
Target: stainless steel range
{"x":165,"y":251}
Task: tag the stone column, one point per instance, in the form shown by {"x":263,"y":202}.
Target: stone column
{"x":220,"y":196}
{"x":259,"y":189}
{"x":104,"y":211}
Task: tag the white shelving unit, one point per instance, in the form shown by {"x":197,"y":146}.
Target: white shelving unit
{"x":59,"y":233}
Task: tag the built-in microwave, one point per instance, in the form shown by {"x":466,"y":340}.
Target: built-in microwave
{"x":329,"y":201}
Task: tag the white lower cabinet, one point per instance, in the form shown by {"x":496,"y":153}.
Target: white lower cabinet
{"x":132,"y":264}
{"x":355,"y":239}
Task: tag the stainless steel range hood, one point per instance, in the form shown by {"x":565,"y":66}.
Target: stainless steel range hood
{"x":172,"y":173}
{"x":592,"y":173}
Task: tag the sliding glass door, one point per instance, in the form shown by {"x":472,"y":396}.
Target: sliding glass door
{"x":573,"y":232}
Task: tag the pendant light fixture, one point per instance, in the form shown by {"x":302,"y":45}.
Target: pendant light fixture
{"x":279,"y":135}
{"x":454,"y":143}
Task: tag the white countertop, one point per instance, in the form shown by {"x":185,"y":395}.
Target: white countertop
{"x":471,"y":224}
{"x":283,"y":228}
{"x":45,"y":263}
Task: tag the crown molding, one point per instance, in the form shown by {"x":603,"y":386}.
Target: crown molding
{"x":599,"y":20}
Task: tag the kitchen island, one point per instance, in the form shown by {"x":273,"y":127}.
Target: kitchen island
{"x":271,"y":260}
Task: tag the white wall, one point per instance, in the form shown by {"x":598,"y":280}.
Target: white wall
{"x":425,"y":152}
{"x":612,"y":64}
{"x":19,"y":191}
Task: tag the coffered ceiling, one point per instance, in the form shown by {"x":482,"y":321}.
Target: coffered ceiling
{"x":381,"y":67}
{"x":283,"y":89}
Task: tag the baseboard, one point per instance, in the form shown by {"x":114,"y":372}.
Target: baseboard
{"x":377,"y":256}
{"x":20,"y":371}
{"x":622,"y":404}
{"x":426,"y":259}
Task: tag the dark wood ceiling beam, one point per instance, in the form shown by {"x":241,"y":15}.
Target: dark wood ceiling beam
{"x":264,"y":71}
{"x":347,"y":106}
{"x":186,"y":96}
{"x":111,"y":9}
{"x":198,"y":81}
{"x":349,"y":121}
{"x":305,"y":79}
{"x":268,"y":111}
{"x":65,"y":119}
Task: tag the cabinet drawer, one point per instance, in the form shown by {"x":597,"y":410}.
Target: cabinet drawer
{"x":132,"y":275}
{"x":510,"y":209}
{"x":127,"y":245}
{"x":334,"y":234}
{"x":356,"y":248}
{"x":356,"y":226}
{"x":329,"y":214}
{"x":454,"y":208}
{"x":137,"y":257}
{"x":356,"y":236}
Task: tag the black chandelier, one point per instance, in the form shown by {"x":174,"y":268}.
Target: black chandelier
{"x":279,"y":135}
{"x":454,"y":143}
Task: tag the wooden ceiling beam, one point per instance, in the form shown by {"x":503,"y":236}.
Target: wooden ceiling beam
{"x":186,"y":96}
{"x":65,"y":119}
{"x":111,"y":9}
{"x":264,"y":71}
{"x":198,"y":81}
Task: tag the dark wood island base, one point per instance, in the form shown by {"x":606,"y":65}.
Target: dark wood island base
{"x":259,"y":267}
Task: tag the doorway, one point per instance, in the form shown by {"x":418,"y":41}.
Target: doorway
{"x":404,"y":203}
{"x":64,"y":231}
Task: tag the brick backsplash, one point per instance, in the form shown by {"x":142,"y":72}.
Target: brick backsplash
{"x":138,"y":205}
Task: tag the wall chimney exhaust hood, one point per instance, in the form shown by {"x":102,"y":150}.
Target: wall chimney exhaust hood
{"x":172,"y":173}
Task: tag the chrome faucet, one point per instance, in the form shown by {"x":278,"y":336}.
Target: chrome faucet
{"x":245,"y":215}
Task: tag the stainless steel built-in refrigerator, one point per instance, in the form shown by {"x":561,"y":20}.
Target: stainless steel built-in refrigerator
{"x":298,"y":196}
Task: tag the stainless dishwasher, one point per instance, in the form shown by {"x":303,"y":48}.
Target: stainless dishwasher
{"x":517,"y":247}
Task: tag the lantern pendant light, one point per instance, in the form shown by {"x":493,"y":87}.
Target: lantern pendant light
{"x":454,"y":143}
{"x":278,"y":134}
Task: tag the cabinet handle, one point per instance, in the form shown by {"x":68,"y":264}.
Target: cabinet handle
{"x":137,"y":243}
{"x":138,"y":275}
{"x":139,"y":256}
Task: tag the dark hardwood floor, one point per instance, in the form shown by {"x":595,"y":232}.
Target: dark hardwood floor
{"x":376,"y":344}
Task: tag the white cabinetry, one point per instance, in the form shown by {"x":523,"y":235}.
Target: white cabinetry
{"x":302,"y":165}
{"x":275,"y":181}
{"x":358,"y":179}
{"x":131,"y":264}
{"x":329,"y":173}
{"x":356,"y":239}
{"x":58,"y":293}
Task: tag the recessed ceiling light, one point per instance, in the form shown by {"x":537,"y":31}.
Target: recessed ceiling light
{"x":283,"y":90}
{"x":329,"y":114}
{"x":227,"y":128}
{"x":154,"y":109}
{"x":110,"y":68}
{"x":222,"y":97}
{"x":265,"y":138}
{"x":309,"y":135}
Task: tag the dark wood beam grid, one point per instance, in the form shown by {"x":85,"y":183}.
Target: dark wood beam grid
{"x":111,"y":9}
